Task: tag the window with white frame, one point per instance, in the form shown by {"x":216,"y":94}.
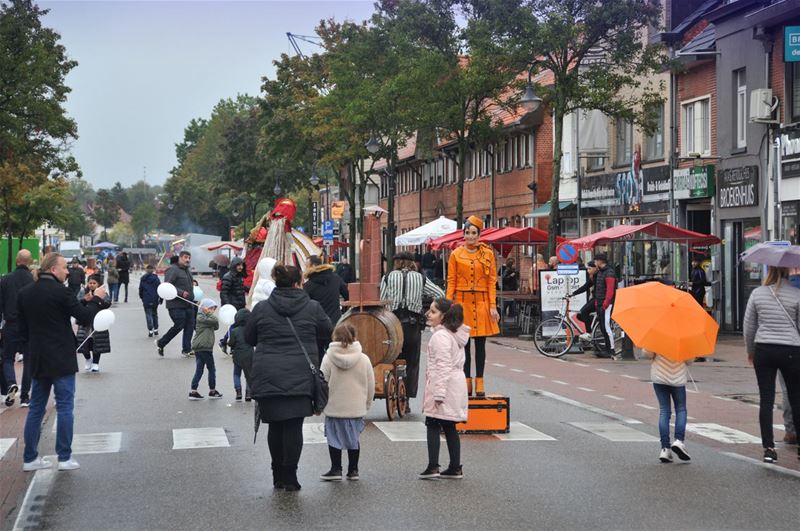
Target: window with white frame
{"x":740,"y":88}
{"x":793,"y":91}
{"x":654,"y":142}
{"x":507,"y":151}
{"x":624,"y":142}
{"x":696,"y":125}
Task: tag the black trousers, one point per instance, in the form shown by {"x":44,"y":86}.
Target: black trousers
{"x":767,"y":361}
{"x":412,"y":339}
{"x":285,"y":441}
{"x":434,"y":428}
{"x":480,"y":357}
{"x":585,"y":314}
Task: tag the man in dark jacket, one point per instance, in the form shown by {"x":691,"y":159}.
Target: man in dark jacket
{"x":233,"y":291}
{"x":345,"y":270}
{"x":586,"y":311}
{"x":180,"y":311}
{"x":76,"y":277}
{"x":148,"y":292}
{"x":44,"y":309}
{"x":13,"y":342}
{"x":325,"y":287}
{"x":124,"y":268}
{"x":699,"y":282}
{"x":605,"y":287}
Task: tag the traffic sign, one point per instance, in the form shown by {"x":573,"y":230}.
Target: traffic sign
{"x":567,"y":269}
{"x":567,"y":253}
{"x":327,"y":231}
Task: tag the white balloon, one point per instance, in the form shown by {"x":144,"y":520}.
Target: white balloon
{"x":167,"y":291}
{"x":198,"y":294}
{"x":103,"y":320}
{"x":227,"y":314}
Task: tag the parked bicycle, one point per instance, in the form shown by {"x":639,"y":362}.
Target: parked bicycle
{"x":556,"y":336}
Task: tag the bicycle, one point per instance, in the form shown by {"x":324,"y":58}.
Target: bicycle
{"x":556,"y":336}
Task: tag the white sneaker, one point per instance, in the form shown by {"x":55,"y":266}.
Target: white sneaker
{"x":586,"y":336}
{"x":69,"y":464}
{"x":665,"y":456}
{"x":680,"y":449}
{"x":37,"y":464}
{"x":87,"y":366}
{"x":95,"y":367}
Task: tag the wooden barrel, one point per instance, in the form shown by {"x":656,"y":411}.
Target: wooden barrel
{"x":379,"y":332}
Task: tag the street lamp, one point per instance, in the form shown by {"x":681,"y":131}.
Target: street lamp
{"x":314,"y":180}
{"x":277,"y":190}
{"x":372,"y":145}
{"x":530,"y":101}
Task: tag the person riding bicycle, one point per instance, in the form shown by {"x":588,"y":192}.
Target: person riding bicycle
{"x":605,"y":287}
{"x":586,"y":311}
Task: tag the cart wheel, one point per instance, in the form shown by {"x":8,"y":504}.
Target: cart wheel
{"x":390,"y":386}
{"x":402,"y":398}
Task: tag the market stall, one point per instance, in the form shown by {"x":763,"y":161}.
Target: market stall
{"x":425,"y":233}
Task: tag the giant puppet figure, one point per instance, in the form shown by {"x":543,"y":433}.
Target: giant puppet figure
{"x":273,"y":241}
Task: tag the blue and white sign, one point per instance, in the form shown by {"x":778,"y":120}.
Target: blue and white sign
{"x":567,"y":269}
{"x":327,"y":231}
{"x":791,"y":44}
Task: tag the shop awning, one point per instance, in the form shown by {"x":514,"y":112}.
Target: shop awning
{"x":544,"y":210}
{"x":436,"y":228}
{"x":656,"y":230}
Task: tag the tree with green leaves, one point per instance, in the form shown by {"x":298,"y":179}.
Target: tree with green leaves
{"x":144,"y":219}
{"x":595,"y":54}
{"x":105,"y":211}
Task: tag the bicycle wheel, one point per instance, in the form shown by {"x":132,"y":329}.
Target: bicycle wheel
{"x":553,"y":337}
{"x":599,"y":342}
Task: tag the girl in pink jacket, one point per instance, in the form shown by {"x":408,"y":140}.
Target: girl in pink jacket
{"x":445,"y":400}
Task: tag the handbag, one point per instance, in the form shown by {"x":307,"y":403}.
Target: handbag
{"x":319,"y":387}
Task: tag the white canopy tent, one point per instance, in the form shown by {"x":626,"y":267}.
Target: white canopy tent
{"x":429,"y":231}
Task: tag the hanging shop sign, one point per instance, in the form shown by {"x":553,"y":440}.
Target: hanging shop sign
{"x":694,"y":182}
{"x":791,"y":44}
{"x":790,"y":154}
{"x":738,"y":187}
{"x":626,"y":192}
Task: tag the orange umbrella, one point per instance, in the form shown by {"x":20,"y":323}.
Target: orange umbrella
{"x":665,"y":320}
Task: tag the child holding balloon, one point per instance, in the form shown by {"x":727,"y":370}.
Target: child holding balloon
{"x":99,"y":342}
{"x":203,"y":347}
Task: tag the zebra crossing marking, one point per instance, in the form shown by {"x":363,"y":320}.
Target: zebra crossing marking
{"x":521,"y":432}
{"x":190,"y":438}
{"x":5,"y":445}
{"x":723,"y":434}
{"x":403,"y":431}
{"x":97,"y":443}
{"x":314,"y":433}
{"x":614,"y":431}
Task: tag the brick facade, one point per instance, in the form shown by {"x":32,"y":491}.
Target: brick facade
{"x":699,"y":79}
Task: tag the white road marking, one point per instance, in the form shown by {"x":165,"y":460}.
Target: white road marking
{"x":579,"y":364}
{"x":314,"y":433}
{"x":768,"y":466}
{"x":559,"y":360}
{"x":403,"y":431}
{"x":517,"y":370}
{"x":588,"y":390}
{"x":97,"y":443}
{"x":614,"y":432}
{"x":645,"y":406}
{"x":628,"y":376}
{"x":520,"y":432}
{"x":723,"y":434}
{"x":779,"y":427}
{"x":614,"y":397}
{"x":726,"y":399}
{"x":587,"y":407}
{"x":38,"y":490}
{"x":536,"y":375}
{"x":5,"y":445}
{"x":187,"y":438}
{"x":498,"y":364}
{"x":559,"y":382}
{"x":603,"y":370}
{"x":690,"y":418}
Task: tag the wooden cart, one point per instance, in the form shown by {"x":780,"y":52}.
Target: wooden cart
{"x":381,"y":337}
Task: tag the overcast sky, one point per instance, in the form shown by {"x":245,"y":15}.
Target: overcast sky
{"x":148,"y":67}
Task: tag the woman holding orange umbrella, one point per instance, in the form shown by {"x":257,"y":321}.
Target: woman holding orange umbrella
{"x":471,"y":282}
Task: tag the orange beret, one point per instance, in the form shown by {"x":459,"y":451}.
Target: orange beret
{"x":476,"y":222}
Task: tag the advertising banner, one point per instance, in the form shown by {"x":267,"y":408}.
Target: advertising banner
{"x":738,"y":187}
{"x":553,"y":287}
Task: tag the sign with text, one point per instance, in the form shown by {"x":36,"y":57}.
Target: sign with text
{"x":694,"y":182}
{"x":790,"y":154}
{"x":625,"y":192}
{"x":738,"y":187}
{"x":314,"y":218}
{"x":567,"y":269}
{"x":791,"y":44}
{"x":337,"y":209}
{"x":553,"y":288}
{"x":327,"y":231}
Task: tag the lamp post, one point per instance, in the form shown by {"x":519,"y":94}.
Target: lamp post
{"x":530,"y":103}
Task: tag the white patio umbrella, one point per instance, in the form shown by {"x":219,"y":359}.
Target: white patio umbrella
{"x":429,"y":231}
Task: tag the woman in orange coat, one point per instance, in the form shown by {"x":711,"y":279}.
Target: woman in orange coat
{"x":471,"y":282}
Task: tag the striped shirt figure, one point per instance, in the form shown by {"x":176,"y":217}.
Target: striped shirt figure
{"x":405,"y":287}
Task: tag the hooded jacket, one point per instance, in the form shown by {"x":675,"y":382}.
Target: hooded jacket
{"x":279,"y":367}
{"x":325,"y":287}
{"x":232,"y":291}
{"x":76,"y":276}
{"x":445,"y":386}
{"x":148,"y":289}
{"x":204,"y":328}
{"x":241,"y":351}
{"x":100,"y":342}
{"x":351,"y":381}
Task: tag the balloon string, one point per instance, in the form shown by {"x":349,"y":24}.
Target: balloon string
{"x":187,"y":300}
{"x":692,"y":379}
{"x":84,"y":341}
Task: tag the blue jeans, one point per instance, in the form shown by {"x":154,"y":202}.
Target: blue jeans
{"x":237,"y":377}
{"x":151,"y":315}
{"x":678,"y":395}
{"x":182,"y":321}
{"x":64,"y":388}
{"x":204,"y":358}
{"x":113,"y":292}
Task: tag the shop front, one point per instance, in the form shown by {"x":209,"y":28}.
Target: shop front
{"x":738,"y":201}
{"x":611,"y":199}
{"x":790,"y":186}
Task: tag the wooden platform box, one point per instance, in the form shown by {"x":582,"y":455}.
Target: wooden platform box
{"x":487,"y":414}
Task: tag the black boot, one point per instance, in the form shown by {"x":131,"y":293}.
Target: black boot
{"x":277,"y":479}
{"x":290,"y":483}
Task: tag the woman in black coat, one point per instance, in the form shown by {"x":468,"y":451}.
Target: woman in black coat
{"x":280,"y":375}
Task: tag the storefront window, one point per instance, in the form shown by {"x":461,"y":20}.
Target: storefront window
{"x":791,"y":222}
